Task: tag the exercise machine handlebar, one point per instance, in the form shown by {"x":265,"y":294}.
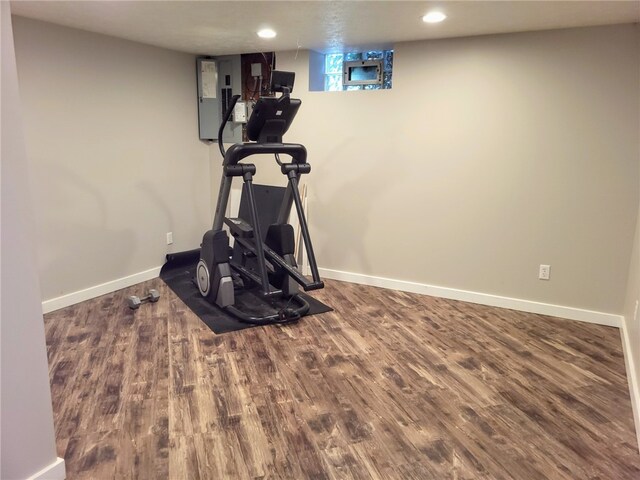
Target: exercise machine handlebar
{"x":239,"y":151}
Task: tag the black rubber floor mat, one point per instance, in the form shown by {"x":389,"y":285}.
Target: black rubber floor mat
{"x":179,"y":272}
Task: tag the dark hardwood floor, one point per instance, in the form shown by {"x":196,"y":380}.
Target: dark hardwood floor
{"x":389,"y":385}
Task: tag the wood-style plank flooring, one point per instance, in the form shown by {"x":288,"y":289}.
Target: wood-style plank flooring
{"x":390,"y":385}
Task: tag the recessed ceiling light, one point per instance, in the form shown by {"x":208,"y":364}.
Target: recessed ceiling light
{"x":266,"y":33}
{"x":434,"y":17}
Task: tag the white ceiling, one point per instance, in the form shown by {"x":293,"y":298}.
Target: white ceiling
{"x":217,"y":27}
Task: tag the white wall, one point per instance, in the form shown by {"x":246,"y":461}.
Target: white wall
{"x":27,"y":438}
{"x":490,"y":155}
{"x":632,"y":316}
{"x":112,"y":140}
{"x":632,"y":328}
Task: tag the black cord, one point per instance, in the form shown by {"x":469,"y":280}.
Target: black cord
{"x":258,"y":86}
{"x":270,"y":67}
{"x":227,"y":115}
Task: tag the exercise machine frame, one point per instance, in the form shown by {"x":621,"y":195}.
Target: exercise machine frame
{"x":269,"y":121}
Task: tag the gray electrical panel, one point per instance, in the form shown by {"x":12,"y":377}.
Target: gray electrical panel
{"x":219,"y":79}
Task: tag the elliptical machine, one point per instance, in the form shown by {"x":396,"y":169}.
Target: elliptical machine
{"x":268,"y":266}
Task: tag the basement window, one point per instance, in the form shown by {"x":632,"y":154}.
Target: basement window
{"x":371,"y":70}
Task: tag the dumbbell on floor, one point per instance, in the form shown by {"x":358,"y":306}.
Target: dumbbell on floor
{"x":135,"y":301}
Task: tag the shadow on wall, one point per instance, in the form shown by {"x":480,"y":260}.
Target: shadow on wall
{"x":79,"y":267}
{"x":159,"y":204}
{"x":355,"y":186}
{"x":76,"y":246}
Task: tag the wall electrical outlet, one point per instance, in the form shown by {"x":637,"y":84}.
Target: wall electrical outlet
{"x":544,"y":272}
{"x":169,"y":238}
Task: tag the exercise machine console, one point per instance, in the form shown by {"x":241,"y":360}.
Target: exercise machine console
{"x":267,"y":263}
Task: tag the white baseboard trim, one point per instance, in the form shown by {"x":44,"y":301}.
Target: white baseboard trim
{"x":96,"y":291}
{"x":632,"y":378}
{"x":570,"y":313}
{"x":55,"y":471}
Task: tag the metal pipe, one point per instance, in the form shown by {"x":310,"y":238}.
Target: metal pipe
{"x":285,"y":206}
{"x":293,"y":183}
{"x":262,"y":267}
{"x":223,"y":199}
